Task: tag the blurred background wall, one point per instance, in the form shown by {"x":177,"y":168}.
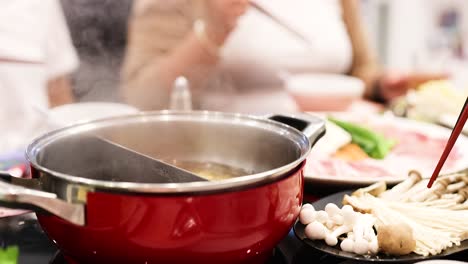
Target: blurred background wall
{"x":407,"y":34}
{"x":418,"y":34}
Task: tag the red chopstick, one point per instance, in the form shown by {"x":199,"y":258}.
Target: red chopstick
{"x":451,"y":142}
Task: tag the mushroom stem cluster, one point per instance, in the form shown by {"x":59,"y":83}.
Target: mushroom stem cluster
{"x":334,"y":224}
{"x":413,"y":189}
{"x":410,"y":205}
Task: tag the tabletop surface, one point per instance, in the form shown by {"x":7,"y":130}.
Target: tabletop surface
{"x":35,"y":248}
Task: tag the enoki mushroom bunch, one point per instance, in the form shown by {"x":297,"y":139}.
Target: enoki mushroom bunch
{"x":438,"y":217}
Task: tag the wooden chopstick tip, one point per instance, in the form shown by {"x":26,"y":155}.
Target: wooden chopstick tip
{"x":450,"y":142}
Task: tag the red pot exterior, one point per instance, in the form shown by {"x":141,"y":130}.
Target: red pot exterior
{"x":230,"y":227}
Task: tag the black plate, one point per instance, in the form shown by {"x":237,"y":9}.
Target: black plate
{"x":336,"y":251}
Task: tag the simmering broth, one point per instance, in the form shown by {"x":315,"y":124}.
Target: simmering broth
{"x":210,"y":170}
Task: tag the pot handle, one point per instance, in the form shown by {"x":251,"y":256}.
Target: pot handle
{"x":313,"y":127}
{"x":19,"y":197}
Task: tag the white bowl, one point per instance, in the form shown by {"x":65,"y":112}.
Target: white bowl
{"x":68,"y":114}
{"x":324,"y":92}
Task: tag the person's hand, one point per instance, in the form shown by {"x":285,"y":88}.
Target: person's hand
{"x":393,"y":85}
{"x":59,"y":91}
{"x":221,"y":17}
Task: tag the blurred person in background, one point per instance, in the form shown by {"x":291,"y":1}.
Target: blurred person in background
{"x":36,"y":58}
{"x":227,"y":50}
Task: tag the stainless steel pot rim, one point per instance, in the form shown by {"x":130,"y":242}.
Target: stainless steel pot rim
{"x":244,"y":181}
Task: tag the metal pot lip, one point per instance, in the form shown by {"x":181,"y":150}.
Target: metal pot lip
{"x":192,"y":187}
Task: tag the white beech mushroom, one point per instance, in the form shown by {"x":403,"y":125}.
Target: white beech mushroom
{"x":316,"y":231}
{"x":347,"y":245}
{"x":363,"y":230}
{"x":332,"y":209}
{"x":374,"y":245}
{"x":349,"y":221}
{"x":334,"y":216}
{"x":333,"y":222}
{"x":322,"y":217}
{"x":307,"y":214}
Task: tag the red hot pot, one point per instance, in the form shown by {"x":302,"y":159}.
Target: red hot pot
{"x":99,"y":207}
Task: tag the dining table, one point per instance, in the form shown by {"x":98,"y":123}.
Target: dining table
{"x":23,"y":232}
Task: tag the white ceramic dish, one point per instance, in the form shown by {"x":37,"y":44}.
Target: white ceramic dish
{"x":399,"y":171}
{"x":324,"y":92}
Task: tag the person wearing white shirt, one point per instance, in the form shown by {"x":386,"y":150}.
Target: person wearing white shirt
{"x":36,"y":58}
{"x":232,"y":53}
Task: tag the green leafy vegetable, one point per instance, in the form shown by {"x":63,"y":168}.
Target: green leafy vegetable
{"x":374,"y":144}
{"x":9,"y":255}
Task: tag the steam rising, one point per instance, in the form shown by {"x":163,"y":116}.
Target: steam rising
{"x":98,"y":29}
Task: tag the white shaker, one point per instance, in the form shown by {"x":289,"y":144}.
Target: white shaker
{"x":181,"y":98}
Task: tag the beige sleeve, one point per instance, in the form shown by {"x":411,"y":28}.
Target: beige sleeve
{"x":155,"y":27}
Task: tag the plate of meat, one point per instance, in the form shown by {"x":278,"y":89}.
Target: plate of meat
{"x":363,"y":149}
